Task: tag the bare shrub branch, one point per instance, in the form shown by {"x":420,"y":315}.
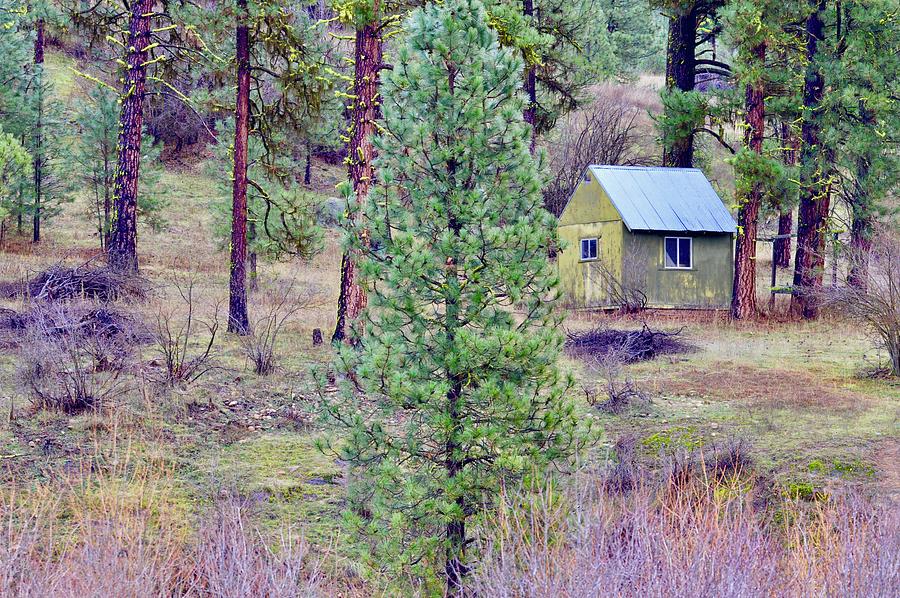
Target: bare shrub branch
{"x":605,"y":132}
{"x":72,"y":359}
{"x":873,"y":300}
{"x":184,"y":360}
{"x":280,"y":305}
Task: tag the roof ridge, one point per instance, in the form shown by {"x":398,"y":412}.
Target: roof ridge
{"x":624,"y":167}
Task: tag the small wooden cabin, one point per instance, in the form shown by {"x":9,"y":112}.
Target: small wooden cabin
{"x":663,"y":231}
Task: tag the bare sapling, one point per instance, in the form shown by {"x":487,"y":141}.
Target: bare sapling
{"x":279,"y":306}
{"x":186,"y":341}
{"x":873,"y":298}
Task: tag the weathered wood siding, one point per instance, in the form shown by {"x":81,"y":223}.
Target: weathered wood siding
{"x":707,"y":284}
{"x":590,"y":214}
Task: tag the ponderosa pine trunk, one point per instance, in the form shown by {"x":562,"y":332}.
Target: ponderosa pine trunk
{"x":122,"y":252}
{"x":530,"y":113}
{"x":781,"y":249}
{"x":681,"y":74}
{"x":238,"y":320}
{"x":812,"y":215}
{"x":364,"y":113}
{"x":38,"y":129}
{"x":862,"y":218}
{"x":307,"y":169}
{"x":743,"y":300}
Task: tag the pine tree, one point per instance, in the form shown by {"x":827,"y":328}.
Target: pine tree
{"x":862,"y":121}
{"x":14,"y":164}
{"x":369,"y":19}
{"x":93,"y":164}
{"x":815,"y":172}
{"x":462,"y":392}
{"x":238,"y":320}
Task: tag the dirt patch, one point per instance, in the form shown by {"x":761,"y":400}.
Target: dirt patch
{"x":771,"y":387}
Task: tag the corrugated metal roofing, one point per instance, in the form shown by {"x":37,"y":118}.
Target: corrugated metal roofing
{"x":665,"y":199}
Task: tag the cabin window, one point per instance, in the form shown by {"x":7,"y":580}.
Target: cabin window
{"x":588,"y":249}
{"x":679,"y":252}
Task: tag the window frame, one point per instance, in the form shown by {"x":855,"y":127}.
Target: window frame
{"x":596,"y":241}
{"x":677,"y":265}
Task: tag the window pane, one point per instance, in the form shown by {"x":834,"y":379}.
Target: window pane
{"x":684,"y":253}
{"x":671,"y":252}
{"x":584,"y":249}
{"x":592,"y":250}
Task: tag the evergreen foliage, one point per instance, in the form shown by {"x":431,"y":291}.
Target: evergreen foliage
{"x":458,"y":358}
{"x":93,"y":156}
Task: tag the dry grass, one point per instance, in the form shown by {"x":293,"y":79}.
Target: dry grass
{"x":703,"y":539}
{"x":763,"y":387}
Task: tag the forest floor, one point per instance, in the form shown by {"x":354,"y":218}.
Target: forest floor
{"x":796,"y":392}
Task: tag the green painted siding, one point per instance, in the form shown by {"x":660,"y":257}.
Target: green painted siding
{"x":626,"y":255}
{"x":706,"y":285}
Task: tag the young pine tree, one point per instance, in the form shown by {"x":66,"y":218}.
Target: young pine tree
{"x":458,"y":359}
{"x":93,"y":158}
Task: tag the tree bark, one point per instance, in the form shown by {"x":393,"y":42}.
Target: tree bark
{"x":253,"y":274}
{"x":781,"y":249}
{"x":38,"y":129}
{"x":307,"y":169}
{"x":238,"y":321}
{"x":743,"y":301}
{"x":814,"y":197}
{"x":862,"y":218}
{"x":122,"y":252}
{"x":681,"y":74}
{"x":530,"y":113}
{"x":360,"y":152}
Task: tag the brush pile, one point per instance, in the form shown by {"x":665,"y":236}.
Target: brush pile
{"x":631,"y":346}
{"x":62,"y":283}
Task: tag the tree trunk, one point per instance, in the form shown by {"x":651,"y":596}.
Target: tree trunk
{"x":743,"y":301}
{"x":360,"y":153}
{"x":307,"y":170}
{"x":122,"y":252}
{"x":814,"y":197}
{"x":251,"y":256}
{"x":781,"y":249}
{"x":681,"y":74}
{"x":238,"y":321}
{"x":530,"y":113}
{"x":38,"y":128}
{"x":862,"y":221}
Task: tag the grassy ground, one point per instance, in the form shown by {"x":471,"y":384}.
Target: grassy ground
{"x":795,"y":391}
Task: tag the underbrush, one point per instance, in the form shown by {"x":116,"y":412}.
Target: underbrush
{"x":108,"y":537}
{"x":691,"y":536}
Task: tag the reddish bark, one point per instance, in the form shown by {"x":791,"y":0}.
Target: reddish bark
{"x":814,"y":197}
{"x":360,"y":152}
{"x":238,"y":321}
{"x":743,"y":301}
{"x":38,"y":130}
{"x":122,"y":251}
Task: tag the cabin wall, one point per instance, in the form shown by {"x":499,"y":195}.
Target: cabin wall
{"x":589,"y":214}
{"x":708,"y":284}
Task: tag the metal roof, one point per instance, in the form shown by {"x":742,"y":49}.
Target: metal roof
{"x":665,"y":199}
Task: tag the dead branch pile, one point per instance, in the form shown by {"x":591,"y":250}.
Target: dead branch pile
{"x":631,"y":346}
{"x":62,"y":283}
{"x":81,"y":319}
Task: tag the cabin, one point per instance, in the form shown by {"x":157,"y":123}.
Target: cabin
{"x":662,"y":233}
